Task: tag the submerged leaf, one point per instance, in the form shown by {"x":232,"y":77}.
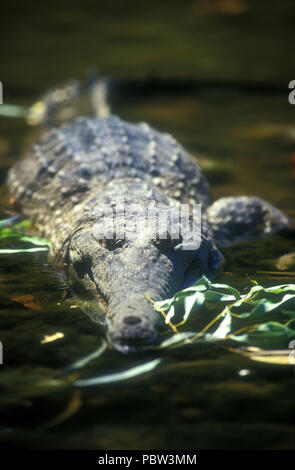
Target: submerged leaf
{"x":85,"y":360}
{"x":118,"y":376}
{"x":72,"y":408}
{"x":28,"y":301}
{"x":270,"y":356}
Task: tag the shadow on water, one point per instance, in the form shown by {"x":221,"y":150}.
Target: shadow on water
{"x":244,"y":136}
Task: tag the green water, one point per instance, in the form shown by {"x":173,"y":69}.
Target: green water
{"x":238,"y":56}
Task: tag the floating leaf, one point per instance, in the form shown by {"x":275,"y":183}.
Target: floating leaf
{"x":14,"y":111}
{"x":192,"y":298}
{"x":223,"y":329}
{"x":23,"y":250}
{"x":178,"y":339}
{"x":269,"y":334}
{"x":13,"y":239}
{"x":257,"y":305}
{"x":264,"y":300}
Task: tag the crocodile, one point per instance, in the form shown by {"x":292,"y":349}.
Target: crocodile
{"x":87,"y":163}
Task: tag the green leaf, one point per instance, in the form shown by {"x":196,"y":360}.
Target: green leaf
{"x":24,"y":250}
{"x":265,"y":300}
{"x":12,"y":239}
{"x":179,"y":339}
{"x":259,"y":305}
{"x":13,"y":111}
{"x":269,"y":334}
{"x":223,"y":330}
{"x":192,"y":298}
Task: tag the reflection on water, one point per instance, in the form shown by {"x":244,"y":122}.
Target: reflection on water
{"x":197,"y":397}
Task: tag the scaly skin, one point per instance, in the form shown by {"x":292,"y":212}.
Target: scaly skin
{"x":85,"y":165}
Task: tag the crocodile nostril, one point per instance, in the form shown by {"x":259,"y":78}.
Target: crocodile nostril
{"x":131,"y":320}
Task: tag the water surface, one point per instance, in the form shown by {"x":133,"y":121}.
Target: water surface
{"x":232,"y":111}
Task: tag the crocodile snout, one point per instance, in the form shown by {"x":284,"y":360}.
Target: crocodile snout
{"x":132,"y":330}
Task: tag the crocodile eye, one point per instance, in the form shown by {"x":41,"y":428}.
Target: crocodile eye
{"x":112,"y":243}
{"x":166,"y":243}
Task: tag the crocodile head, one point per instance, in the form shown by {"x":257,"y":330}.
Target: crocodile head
{"x":126,"y":265}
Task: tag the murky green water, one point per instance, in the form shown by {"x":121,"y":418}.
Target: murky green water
{"x":197,"y":398}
